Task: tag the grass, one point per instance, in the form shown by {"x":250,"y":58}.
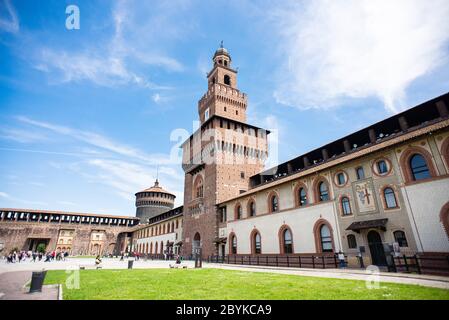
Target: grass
{"x":214,"y":284}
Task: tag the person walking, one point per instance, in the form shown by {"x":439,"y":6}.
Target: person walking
{"x":98,"y":261}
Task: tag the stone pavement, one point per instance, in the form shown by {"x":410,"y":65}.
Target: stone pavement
{"x":70,"y":263}
{"x":13,"y":287}
{"x":348,"y":274}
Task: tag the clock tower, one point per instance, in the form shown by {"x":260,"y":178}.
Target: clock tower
{"x":219,"y":157}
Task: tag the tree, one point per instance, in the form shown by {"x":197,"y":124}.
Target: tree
{"x":41,"y":247}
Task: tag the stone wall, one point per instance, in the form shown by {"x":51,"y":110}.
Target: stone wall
{"x":18,"y":234}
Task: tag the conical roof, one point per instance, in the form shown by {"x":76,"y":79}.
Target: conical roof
{"x":222,"y":51}
{"x":156,"y":188}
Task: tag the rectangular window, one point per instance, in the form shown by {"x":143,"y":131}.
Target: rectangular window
{"x":360,"y":173}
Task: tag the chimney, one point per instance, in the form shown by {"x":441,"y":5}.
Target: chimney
{"x":403,"y":123}
{"x":372,"y":135}
{"x":306,"y":161}
{"x":442,"y":109}
{"x":347,"y":145}
{"x":325,"y":154}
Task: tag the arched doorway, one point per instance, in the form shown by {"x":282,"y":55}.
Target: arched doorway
{"x":444,"y":216}
{"x":376,"y":248}
{"x":196,"y":242}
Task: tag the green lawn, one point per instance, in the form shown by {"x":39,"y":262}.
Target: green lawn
{"x":202,"y":284}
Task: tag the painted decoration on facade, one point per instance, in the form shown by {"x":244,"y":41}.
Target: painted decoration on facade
{"x":364,"y":195}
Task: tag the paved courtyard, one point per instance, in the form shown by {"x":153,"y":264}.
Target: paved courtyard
{"x":13,"y":277}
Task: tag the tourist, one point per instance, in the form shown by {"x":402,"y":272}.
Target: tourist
{"x":97,"y":260}
{"x":34,"y":256}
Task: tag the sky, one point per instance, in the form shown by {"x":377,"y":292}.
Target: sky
{"x":90,"y":116}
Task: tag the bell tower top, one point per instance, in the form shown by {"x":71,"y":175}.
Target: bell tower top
{"x":222,"y":98}
{"x":221,"y":72}
{"x":222,"y":57}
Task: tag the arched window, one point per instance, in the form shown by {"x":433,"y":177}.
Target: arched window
{"x":445,"y":151}
{"x":352,"y":242}
{"x":399,"y":237}
{"x":323,"y":191}
{"x":302,"y":197}
{"x":274,"y":203}
{"x":198,"y":187}
{"x":390,"y":198}
{"x":238,"y":212}
{"x":257,"y":243}
{"x":345,"y":206}
{"x":360,"y":173}
{"x":418,"y":167}
{"x":326,"y":239}
{"x":227,"y":80}
{"x":287,"y":241}
{"x":341,"y":178}
{"x":233,"y":243}
{"x":382,"y":167}
{"x":252,"y":208}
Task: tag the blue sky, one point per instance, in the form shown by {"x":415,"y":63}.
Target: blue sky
{"x":87,"y":116}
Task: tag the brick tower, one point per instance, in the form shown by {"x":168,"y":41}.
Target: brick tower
{"x":219,"y":157}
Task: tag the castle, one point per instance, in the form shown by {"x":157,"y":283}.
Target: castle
{"x":385,"y":186}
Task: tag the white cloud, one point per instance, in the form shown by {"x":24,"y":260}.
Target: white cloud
{"x":105,"y":71}
{"x":156,"y":97}
{"x":13,"y":200}
{"x":4,"y":195}
{"x":359,"y":48}
{"x":126,"y":178}
{"x":124,"y":168}
{"x":10,"y":22}
{"x":21,"y":136}
{"x":133,"y":45}
{"x":100,"y":141}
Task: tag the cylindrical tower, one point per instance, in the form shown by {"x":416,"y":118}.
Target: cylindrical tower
{"x":153,"y":201}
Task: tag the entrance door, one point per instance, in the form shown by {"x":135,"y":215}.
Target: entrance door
{"x":223,"y":250}
{"x":196,"y":243}
{"x":377,"y":249}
